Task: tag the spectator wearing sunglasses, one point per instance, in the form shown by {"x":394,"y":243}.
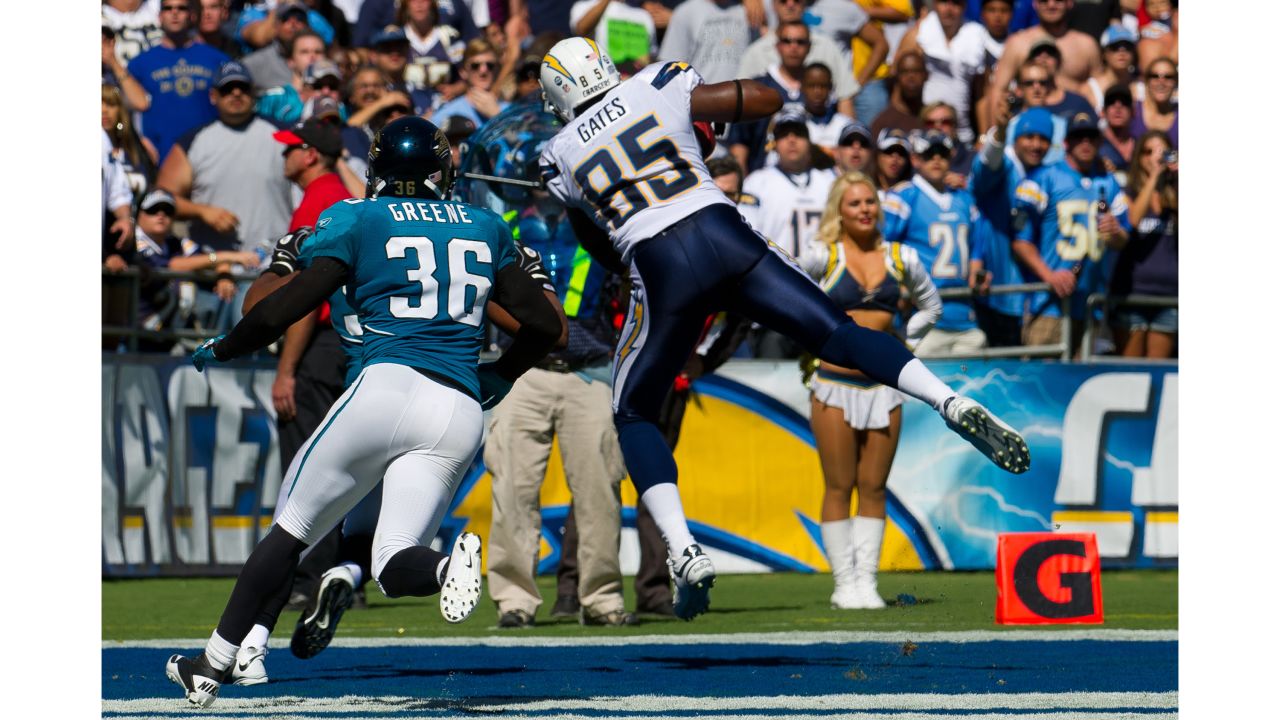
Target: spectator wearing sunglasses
{"x":1032,"y":91}
{"x":763,"y":54}
{"x":1117,"y":132}
{"x":1118,"y":63}
{"x":1159,"y":109}
{"x":175,"y":77}
{"x":1080,"y":57}
{"x":480,"y":72}
{"x":1058,"y":100}
{"x":283,"y":104}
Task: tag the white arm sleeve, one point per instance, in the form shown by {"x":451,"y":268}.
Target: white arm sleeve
{"x":816,"y":258}
{"x":924,"y":295}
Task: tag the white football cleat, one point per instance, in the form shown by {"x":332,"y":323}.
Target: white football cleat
{"x":991,"y":436}
{"x":460,"y":591}
{"x":199,"y":680}
{"x":249,"y":668}
{"x":694,"y":576}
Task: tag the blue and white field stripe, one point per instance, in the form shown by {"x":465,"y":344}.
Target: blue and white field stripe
{"x":1023,"y":674}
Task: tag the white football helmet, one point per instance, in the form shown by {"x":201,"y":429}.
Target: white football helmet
{"x":575,"y":71}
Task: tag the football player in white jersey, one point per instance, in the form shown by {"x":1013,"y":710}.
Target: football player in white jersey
{"x":629,"y":166}
{"x":792,"y":193}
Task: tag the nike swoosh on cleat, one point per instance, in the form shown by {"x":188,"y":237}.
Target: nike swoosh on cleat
{"x":244,"y":666}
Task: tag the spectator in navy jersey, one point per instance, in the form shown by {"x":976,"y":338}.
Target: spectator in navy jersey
{"x":176,"y":77}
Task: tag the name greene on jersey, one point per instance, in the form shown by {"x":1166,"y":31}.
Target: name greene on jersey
{"x":608,"y":114}
{"x":428,"y":212}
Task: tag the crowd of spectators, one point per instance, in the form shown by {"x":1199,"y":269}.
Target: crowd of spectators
{"x":194,"y":92}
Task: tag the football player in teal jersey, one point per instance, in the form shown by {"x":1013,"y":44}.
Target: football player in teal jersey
{"x":1067,"y":215}
{"x":418,"y":270}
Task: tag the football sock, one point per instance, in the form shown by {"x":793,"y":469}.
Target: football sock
{"x":663,"y":503}
{"x":920,"y":383}
{"x":266,"y":574}
{"x":219,"y":652}
{"x":647,"y":455}
{"x":357,"y":574}
{"x":257,"y":637}
{"x":413,"y":571}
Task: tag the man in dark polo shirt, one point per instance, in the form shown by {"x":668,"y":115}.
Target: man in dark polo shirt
{"x":312,"y":365}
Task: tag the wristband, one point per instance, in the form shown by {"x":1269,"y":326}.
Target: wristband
{"x":737,"y":108}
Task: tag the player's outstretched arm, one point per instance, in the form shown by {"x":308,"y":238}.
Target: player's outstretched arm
{"x":275,"y":313}
{"x":283,"y":267}
{"x":734,"y":101}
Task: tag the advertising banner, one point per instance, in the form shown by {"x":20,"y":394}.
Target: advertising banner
{"x":191,"y":469}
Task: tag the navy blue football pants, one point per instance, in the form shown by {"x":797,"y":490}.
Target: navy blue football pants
{"x":709,"y":262}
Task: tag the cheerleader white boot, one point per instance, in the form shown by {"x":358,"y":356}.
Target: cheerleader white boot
{"x":837,"y":540}
{"x":868,"y":537}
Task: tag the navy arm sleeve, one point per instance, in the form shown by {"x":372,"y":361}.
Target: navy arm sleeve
{"x":540,"y":325}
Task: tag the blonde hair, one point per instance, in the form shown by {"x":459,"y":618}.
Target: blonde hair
{"x":829,"y":228}
{"x":122,"y":135}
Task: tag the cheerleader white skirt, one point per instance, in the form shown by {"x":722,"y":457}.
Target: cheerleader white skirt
{"x":866,"y":404}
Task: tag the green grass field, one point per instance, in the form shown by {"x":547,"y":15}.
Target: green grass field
{"x":189,"y":608}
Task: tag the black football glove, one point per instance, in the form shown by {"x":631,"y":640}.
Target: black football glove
{"x":284,"y":258}
{"x":531,"y":262}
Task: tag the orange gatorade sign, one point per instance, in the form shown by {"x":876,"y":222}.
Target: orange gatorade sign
{"x":1046,"y":578}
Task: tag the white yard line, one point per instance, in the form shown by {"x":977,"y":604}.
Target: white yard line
{"x":928,"y":705}
{"x":780,"y":638}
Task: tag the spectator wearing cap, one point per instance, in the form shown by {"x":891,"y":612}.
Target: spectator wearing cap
{"x":260,"y":25}
{"x":1117,"y":131}
{"x":1118,"y":57}
{"x":763,"y":54}
{"x":311,"y":152}
{"x":211,"y":30}
{"x":158,"y":248}
{"x":853,"y":149}
{"x":1079,"y":55}
{"x":390,"y":54}
{"x":175,"y":77}
{"x":134,"y":26}
{"x":956,"y":54}
{"x":906,"y":100}
{"x":943,"y":118}
{"x":283,"y":104}
{"x":480,"y":72}
{"x":269,"y":64}
{"x":996,"y":175}
{"x":893,"y":159}
{"x":792,"y":194}
{"x":1159,"y":109}
{"x":937,"y":222}
{"x":1062,"y":234}
{"x":626,"y":32}
{"x":456,"y":130}
{"x":227,"y":176}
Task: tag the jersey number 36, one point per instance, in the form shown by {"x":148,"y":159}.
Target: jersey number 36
{"x":433,"y":304}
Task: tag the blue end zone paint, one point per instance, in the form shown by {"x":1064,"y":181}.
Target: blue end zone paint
{"x":771,"y":410}
{"x":702,"y":670}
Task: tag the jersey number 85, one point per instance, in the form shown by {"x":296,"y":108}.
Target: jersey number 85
{"x":604,"y":182}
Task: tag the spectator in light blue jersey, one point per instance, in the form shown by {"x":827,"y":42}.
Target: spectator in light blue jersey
{"x":937,"y":222}
{"x":995,"y":178}
{"x":1068,"y":215}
